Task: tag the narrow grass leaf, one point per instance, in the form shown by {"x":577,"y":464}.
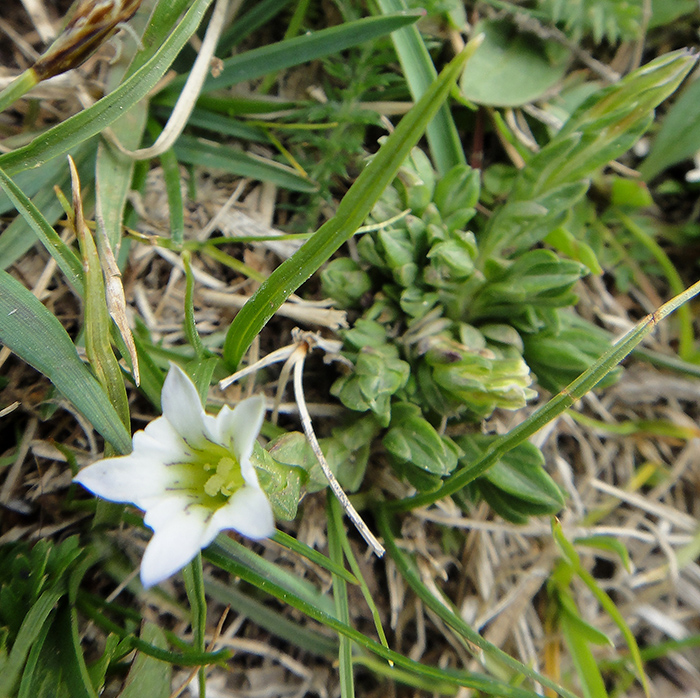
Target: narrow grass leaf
{"x":195,"y":151}
{"x":584,"y":661}
{"x":65,"y":258}
{"x":37,"y":337}
{"x":301,"y":49}
{"x":29,"y":631}
{"x":410,"y":575}
{"x":607,"y":604}
{"x":352,"y":211}
{"x":218,"y":556}
{"x":291,"y":543}
{"x":66,"y":135}
{"x":417,"y":66}
{"x":336,"y":513}
{"x":340,"y":596}
{"x":273,"y":620}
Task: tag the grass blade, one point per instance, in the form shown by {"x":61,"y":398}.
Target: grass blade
{"x":352,"y":211}
{"x":66,"y":135}
{"x":37,"y":337}
{"x":417,"y":66}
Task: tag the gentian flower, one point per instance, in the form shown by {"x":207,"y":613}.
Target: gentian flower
{"x":191,"y":473}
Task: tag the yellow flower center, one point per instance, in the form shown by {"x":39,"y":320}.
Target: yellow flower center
{"x":211,"y":474}
{"x":226,"y":479}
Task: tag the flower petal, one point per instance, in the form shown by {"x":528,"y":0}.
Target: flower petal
{"x":248,"y":512}
{"x":183,"y":409}
{"x":125,"y":479}
{"x":237,"y":429}
{"x":161,"y":442}
{"x":174,"y":544}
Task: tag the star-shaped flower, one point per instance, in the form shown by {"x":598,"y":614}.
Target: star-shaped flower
{"x":191,"y":473}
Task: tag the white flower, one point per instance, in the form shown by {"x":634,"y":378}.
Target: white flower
{"x":191,"y":473}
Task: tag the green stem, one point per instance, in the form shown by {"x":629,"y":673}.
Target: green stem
{"x":340,"y":596}
{"x":194,"y":585}
{"x":17,"y":88}
{"x":181,"y":659}
{"x":556,"y":406}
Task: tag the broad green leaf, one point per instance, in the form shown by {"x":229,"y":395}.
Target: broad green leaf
{"x":511,"y":67}
{"x":281,"y":483}
{"x":351,"y":214}
{"x":62,"y":138}
{"x":520,"y":473}
{"x":558,"y":404}
{"x":413,"y":440}
{"x":664,"y":12}
{"x":37,"y":337}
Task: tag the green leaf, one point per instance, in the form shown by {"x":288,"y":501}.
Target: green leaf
{"x":148,"y":676}
{"x":442,"y":607}
{"x":610,"y":544}
{"x":281,"y":483}
{"x":340,"y":596}
{"x":37,"y":337}
{"x":678,"y":138}
{"x":586,"y":665}
{"x":66,"y":259}
{"x":351,"y":214}
{"x":221,"y":556}
{"x":412,"y":439}
{"x":61,"y":673}
{"x":300,"y":49}
{"x":520,"y":473}
{"x":196,"y":151}
{"x":378,"y":374}
{"x":417,"y":66}
{"x":605,"y":126}
{"x":585,"y":630}
{"x":345,"y":282}
{"x":556,"y":406}
{"x":511,"y":68}
{"x":29,"y":632}
{"x":607,"y":604}
{"x":62,"y":138}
